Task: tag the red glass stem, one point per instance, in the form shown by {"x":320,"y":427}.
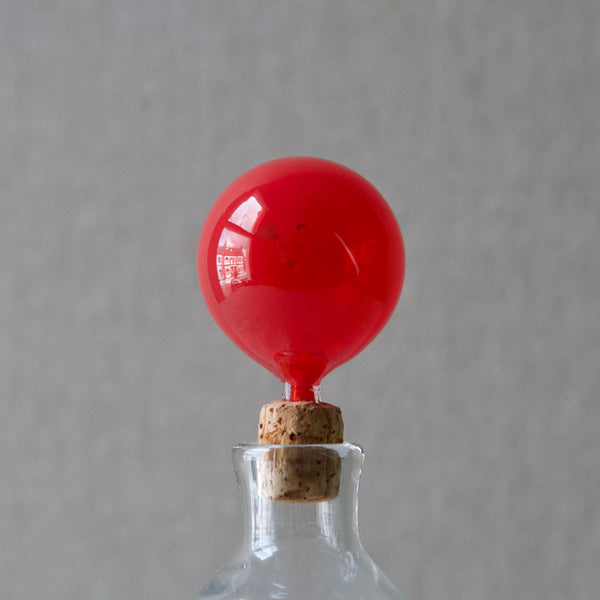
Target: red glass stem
{"x":300,"y":392}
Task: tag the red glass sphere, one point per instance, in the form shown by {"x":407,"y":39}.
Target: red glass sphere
{"x":301,"y":264}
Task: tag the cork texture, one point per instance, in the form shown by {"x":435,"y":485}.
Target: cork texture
{"x":283,"y":422}
{"x":299,"y":474}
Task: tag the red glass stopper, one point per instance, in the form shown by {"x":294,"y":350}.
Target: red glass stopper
{"x":301,"y":263}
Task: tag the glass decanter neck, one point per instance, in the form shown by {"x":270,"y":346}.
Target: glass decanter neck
{"x":300,"y":550}
{"x":274,"y":526}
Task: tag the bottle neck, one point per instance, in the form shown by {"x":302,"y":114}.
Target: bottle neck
{"x":272,"y":526}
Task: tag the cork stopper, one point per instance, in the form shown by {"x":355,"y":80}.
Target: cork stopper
{"x":284,"y":422}
{"x":299,"y":469}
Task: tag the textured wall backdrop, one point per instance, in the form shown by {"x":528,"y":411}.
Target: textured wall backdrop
{"x":121,"y":122}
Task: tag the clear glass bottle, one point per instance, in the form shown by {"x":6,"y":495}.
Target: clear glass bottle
{"x":300,"y":550}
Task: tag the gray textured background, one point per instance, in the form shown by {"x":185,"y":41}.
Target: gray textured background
{"x":121,"y":122}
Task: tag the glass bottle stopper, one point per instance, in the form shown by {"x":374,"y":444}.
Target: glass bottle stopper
{"x":301,"y":264}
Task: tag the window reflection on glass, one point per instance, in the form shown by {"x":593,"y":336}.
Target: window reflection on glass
{"x":247,"y":214}
{"x":233,"y":268}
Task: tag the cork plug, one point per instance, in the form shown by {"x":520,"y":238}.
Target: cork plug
{"x":284,"y":422}
{"x":300,"y":469}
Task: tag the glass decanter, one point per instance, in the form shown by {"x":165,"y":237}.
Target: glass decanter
{"x":301,"y":263}
{"x":300,"y":550}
